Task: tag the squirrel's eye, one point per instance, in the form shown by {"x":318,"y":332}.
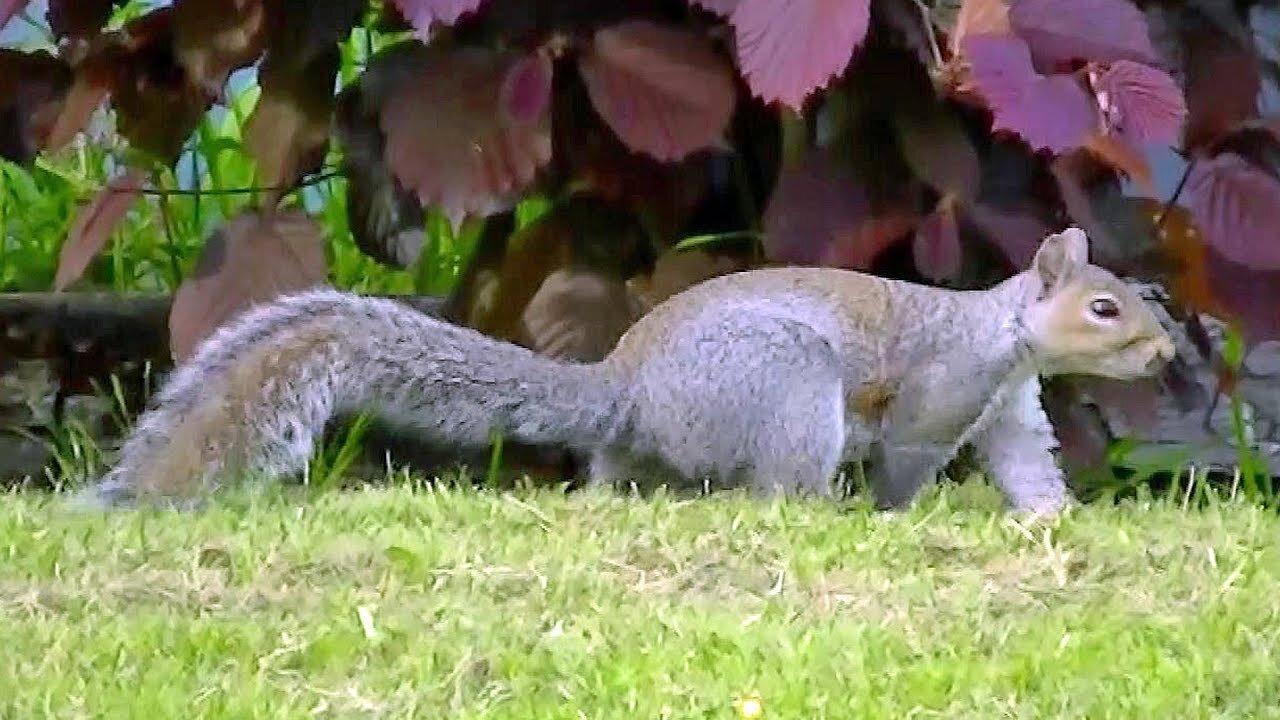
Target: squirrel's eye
{"x":1105,"y":308}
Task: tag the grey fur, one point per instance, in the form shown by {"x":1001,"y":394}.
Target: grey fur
{"x":768,"y":379}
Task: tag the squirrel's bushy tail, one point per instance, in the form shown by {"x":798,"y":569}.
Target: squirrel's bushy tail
{"x":259,"y":391}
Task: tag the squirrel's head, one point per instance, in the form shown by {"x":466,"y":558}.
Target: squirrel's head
{"x":1085,"y":320}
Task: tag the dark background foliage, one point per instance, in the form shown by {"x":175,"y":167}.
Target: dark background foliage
{"x":936,"y":142}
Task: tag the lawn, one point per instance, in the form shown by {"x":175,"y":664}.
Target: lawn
{"x":395,"y":603}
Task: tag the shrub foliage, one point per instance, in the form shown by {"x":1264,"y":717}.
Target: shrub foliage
{"x":938,"y":140}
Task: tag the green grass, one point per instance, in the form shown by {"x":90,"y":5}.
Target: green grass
{"x":595,"y":605}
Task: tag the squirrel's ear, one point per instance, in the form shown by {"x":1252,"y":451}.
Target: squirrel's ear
{"x":1060,"y":255}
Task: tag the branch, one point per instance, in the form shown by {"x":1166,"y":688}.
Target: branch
{"x":110,"y":327}
{"x":199,"y":192}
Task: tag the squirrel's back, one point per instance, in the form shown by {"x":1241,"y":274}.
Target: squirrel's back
{"x":857,"y":312}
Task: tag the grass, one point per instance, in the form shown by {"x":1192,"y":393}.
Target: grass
{"x":478,"y":604}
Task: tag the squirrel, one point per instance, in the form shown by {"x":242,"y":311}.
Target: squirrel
{"x":767,"y":378}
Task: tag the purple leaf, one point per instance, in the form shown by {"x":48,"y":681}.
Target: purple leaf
{"x":95,"y":223}
{"x":979,"y":17}
{"x":1250,"y":295}
{"x":422,"y":14}
{"x":788,"y":49}
{"x":813,"y":202}
{"x":819,"y":214}
{"x":1017,"y":234}
{"x":1140,"y":103}
{"x":459,"y":129}
{"x":1069,"y":171}
{"x":1052,"y":112}
{"x":1222,"y":79}
{"x":1081,"y":434}
{"x":936,"y":247}
{"x":526,"y":89}
{"x":1237,"y":207}
{"x":937,"y":148}
{"x":664,"y":91}
{"x":722,"y":7}
{"x":1097,"y":30}
{"x":1137,"y":401}
{"x":254,"y":258}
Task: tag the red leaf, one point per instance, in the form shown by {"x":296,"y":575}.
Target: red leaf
{"x":526,"y":90}
{"x":1181,"y":241}
{"x":303,"y":31}
{"x":664,"y":91}
{"x":980,"y":17}
{"x":1098,"y":30}
{"x":94,"y":225}
{"x":211,"y":38}
{"x":288,"y":131}
{"x":677,"y":270}
{"x":813,"y":201}
{"x":385,"y":219}
{"x":936,"y":246}
{"x":1051,"y":112}
{"x":157,"y":106}
{"x":1221,"y":80}
{"x":1119,"y":154}
{"x":1017,"y":234}
{"x":422,"y":14}
{"x":858,"y":246}
{"x":938,"y":150}
{"x":1069,"y":171}
{"x":1250,"y":296}
{"x":77,"y":19}
{"x":253,"y":258}
{"x":87,"y":93}
{"x":1237,"y":207}
{"x":819,"y":214}
{"x":788,"y":49}
{"x":450,"y":137}
{"x":577,"y":314}
{"x":1082,"y":435}
{"x":1138,"y":401}
{"x":33,"y":91}
{"x":1140,"y":103}
{"x":1204,"y":281}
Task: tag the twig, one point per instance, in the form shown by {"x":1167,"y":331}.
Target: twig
{"x":171,"y":243}
{"x":199,"y":192}
{"x":926,"y":18}
{"x":1177,"y":192}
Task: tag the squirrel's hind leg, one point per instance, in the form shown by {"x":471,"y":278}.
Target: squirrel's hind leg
{"x":797,"y":450}
{"x":761,"y":402}
{"x":619,"y":469}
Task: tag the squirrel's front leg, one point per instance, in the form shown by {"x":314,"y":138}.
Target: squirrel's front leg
{"x":901,"y":470}
{"x":1017,"y":450}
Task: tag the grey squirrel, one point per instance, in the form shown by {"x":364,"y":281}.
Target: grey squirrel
{"x":767,"y":378}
